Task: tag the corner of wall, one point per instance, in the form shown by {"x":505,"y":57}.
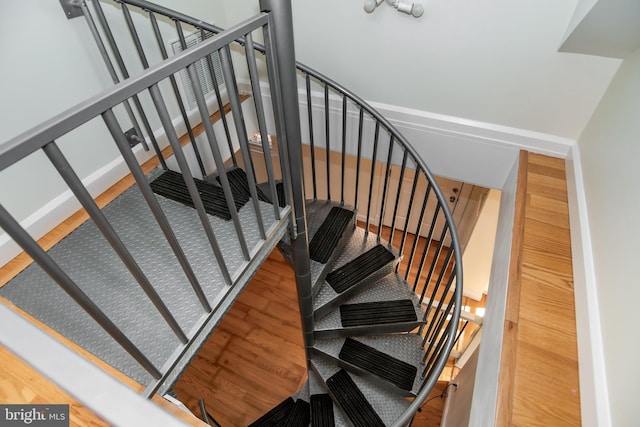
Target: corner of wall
{"x":594,"y":394}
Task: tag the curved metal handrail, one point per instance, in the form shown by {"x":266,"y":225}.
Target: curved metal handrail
{"x":421,"y":165}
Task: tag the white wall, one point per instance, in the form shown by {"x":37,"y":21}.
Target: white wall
{"x":485,"y":387}
{"x":478,"y":254}
{"x":493,"y":61}
{"x":609,"y":150}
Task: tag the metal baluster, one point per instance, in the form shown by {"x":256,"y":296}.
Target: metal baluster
{"x":221,"y":108}
{"x":436,"y":286}
{"x":75,"y":184}
{"x":123,"y":69}
{"x":436,"y":351}
{"x":398,"y":194}
{"x":434,"y":262}
{"x":152,"y":201}
{"x":387,"y":174}
{"x":373,"y":171}
{"x":217,"y":156}
{"x":262,"y":125}
{"x":176,"y":92}
{"x":407,"y":221}
{"x":156,"y":96}
{"x":311,"y":141}
{"x":460,"y":332}
{"x":344,"y":146}
{"x":359,"y":156}
{"x":31,"y":247}
{"x":241,"y":130}
{"x":327,"y":135}
{"x":438,"y":310}
{"x":414,"y":247}
{"x":427,"y":246}
{"x":112,"y":71}
{"x":437,"y":254}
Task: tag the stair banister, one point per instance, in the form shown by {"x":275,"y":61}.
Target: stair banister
{"x":444,"y":345}
{"x":276,"y":21}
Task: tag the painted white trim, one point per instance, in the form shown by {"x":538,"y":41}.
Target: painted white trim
{"x":594,"y":394}
{"x":485,"y":387}
{"x":520,"y":139}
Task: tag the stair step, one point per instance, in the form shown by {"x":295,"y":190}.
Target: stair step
{"x":388,"y":404}
{"x":300,"y":415}
{"x":387,"y":367}
{"x":359,"y":269}
{"x":329,"y":234}
{"x":171,"y":185}
{"x":370,"y":357}
{"x":389,"y":288}
{"x":352,"y":401}
{"x":377,"y":313}
{"x":322,"y":411}
{"x":327,"y":300}
{"x":276,"y":416}
{"x":240,"y":184}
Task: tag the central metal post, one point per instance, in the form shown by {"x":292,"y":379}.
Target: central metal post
{"x":281,"y":35}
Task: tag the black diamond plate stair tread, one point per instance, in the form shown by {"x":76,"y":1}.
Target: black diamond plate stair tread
{"x":377,"y":313}
{"x":328,"y":235}
{"x":353,"y":402}
{"x":387,"y":367}
{"x":240,"y":185}
{"x":171,"y":185}
{"x":322,"y":411}
{"x":359,"y":268}
{"x":300,"y":415}
{"x":276,"y":416}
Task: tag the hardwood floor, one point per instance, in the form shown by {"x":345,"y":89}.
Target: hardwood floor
{"x":539,"y":372}
{"x":255,"y":358}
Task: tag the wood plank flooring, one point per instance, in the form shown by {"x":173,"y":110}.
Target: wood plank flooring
{"x":539,"y":373}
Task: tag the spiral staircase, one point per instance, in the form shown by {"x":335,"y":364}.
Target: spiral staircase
{"x":337,"y":189}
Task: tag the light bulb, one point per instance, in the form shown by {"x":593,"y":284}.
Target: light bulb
{"x":417,"y":10}
{"x":404,"y":7}
{"x":370,"y":5}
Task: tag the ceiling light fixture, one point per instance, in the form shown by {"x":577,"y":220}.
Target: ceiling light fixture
{"x":410,"y":8}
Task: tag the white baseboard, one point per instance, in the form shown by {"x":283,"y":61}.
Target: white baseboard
{"x":467,"y":150}
{"x":64,"y":205}
{"x":594,"y":395}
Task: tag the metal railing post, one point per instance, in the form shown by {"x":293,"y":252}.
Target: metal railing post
{"x":281,"y":33}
